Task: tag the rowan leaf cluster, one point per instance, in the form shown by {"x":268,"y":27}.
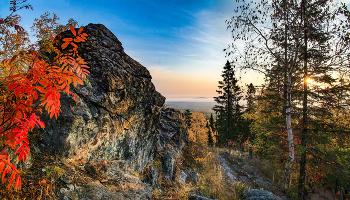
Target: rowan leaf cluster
{"x":31,"y":82}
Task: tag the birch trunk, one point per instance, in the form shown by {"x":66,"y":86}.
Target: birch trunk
{"x":289,"y":68}
{"x":290,"y":134}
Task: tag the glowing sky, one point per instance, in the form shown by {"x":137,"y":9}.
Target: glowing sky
{"x":180,"y":42}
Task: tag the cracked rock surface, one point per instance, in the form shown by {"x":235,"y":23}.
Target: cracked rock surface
{"x":115,"y":119}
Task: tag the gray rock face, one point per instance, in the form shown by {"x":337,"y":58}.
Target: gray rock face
{"x":115,"y":119}
{"x":226,"y":169}
{"x":181,"y":177}
{"x":149,"y":175}
{"x":168,"y":162}
{"x":192,"y":176}
{"x":172,"y":130}
{"x":173,"y":138}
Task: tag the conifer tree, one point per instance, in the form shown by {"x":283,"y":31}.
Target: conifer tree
{"x":188,"y":117}
{"x":212,"y":125}
{"x":229,"y":111}
{"x":251,"y":107}
{"x":210,"y":137}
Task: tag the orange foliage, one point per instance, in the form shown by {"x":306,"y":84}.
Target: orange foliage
{"x":198,"y":131}
{"x":23,"y":93}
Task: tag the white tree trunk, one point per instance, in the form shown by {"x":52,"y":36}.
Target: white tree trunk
{"x":290,"y":134}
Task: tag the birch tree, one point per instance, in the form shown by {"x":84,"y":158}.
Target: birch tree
{"x":280,"y":38}
{"x":259,"y":25}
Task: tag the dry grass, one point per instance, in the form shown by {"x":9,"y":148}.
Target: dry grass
{"x":213,"y":183}
{"x":211,"y":180}
{"x":271,"y":172}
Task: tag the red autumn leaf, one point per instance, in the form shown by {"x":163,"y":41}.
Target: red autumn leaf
{"x":13,"y":85}
{"x":80,"y":81}
{"x":67,"y":39}
{"x":64,"y":45}
{"x":26,"y":145}
{"x":26,"y":140}
{"x":80,"y":30}
{"x":19,"y":150}
{"x":21,"y":155}
{"x":11,"y":179}
{"x":35,"y":95}
{"x":74,"y":45}
{"x":77,"y":39}
{"x":18,"y":91}
{"x":2,"y":156}
{"x":22,"y":107}
{"x":72,"y":30}
{"x":18,"y":183}
{"x":40,"y":89}
{"x":75,"y":66}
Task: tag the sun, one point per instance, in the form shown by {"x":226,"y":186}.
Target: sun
{"x":310,"y":81}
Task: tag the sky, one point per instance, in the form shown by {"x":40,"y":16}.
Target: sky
{"x":180,"y":42}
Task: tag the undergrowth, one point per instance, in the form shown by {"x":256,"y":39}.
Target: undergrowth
{"x":211,"y":180}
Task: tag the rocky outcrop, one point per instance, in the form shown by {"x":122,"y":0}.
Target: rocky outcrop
{"x":115,"y":180}
{"x":118,"y":118}
{"x":172,"y":139}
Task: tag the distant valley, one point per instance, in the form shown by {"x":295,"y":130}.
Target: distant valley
{"x":204,"y":107}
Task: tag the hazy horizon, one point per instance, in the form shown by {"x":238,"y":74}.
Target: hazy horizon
{"x":189,"y":99}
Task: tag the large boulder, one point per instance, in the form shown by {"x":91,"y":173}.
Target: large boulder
{"x":115,"y":119}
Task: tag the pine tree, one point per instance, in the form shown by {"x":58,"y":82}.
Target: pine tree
{"x":229,"y":111}
{"x":188,"y":118}
{"x":210,"y":137}
{"x":212,"y":126}
{"x":251,"y":107}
